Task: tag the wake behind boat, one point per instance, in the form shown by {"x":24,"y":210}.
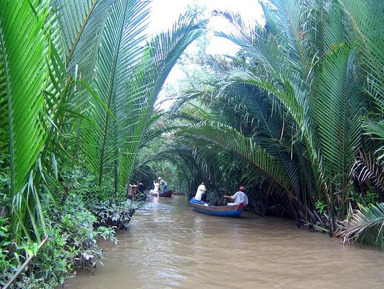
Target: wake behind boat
{"x":221,"y":211}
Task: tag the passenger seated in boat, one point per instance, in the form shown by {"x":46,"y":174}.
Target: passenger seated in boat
{"x":201,"y":194}
{"x":132,"y":191}
{"x":140,"y":187}
{"x":239,"y":197}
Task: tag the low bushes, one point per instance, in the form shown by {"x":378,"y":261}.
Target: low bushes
{"x":73,"y":231}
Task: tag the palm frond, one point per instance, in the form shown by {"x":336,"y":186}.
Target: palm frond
{"x":121,"y":44}
{"x":291,"y":17}
{"x":230,"y":139}
{"x":376,"y":131}
{"x":362,"y":220}
{"x":163,"y":52}
{"x":23,"y":76}
{"x":366,"y":21}
{"x":338,"y":101}
{"x":78,"y":24}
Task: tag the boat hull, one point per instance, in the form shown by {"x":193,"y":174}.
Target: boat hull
{"x":220,"y":211}
{"x":167,"y":194}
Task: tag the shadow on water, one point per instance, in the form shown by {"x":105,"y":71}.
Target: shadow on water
{"x":168,"y":245}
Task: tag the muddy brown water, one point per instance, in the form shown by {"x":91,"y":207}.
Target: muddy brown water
{"x":169,"y":245}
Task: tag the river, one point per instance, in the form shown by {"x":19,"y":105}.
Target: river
{"x":168,"y":245}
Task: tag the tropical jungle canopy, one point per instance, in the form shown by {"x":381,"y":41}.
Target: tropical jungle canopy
{"x":296,"y":116}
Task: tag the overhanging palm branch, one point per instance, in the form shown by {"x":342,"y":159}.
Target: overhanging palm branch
{"x":292,"y":17}
{"x":316,"y":81}
{"x":366,"y":21}
{"x":338,"y":115}
{"x":81,"y":25}
{"x":231,"y":139}
{"x":81,"y":34}
{"x":267,"y":125}
{"x":71,"y":32}
{"x":23,"y":76}
{"x":144,"y":87}
{"x":366,"y":30}
{"x":121,"y":46}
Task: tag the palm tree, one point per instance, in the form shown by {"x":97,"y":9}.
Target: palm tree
{"x":304,"y":62}
{"x":95,"y":81}
{"x":300,"y":82}
{"x":125,"y":76}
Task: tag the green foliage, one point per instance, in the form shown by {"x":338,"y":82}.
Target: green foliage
{"x":320,"y":206}
{"x":112,"y":215}
{"x":72,"y":244}
{"x":215,"y":198}
{"x":286,"y":117}
{"x":78,"y":85}
{"x":368,"y":198}
{"x":286,"y":114}
{"x":6,"y":263}
{"x":371,"y":197}
{"x":22,"y":133}
{"x":85,"y":184}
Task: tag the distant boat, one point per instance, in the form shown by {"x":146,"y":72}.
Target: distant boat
{"x":221,"y":211}
{"x":166,"y":194}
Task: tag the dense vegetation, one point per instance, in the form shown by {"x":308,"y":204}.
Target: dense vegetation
{"x":79,"y":80}
{"x":296,"y":116}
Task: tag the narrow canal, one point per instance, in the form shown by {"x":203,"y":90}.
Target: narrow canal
{"x":170,"y":246}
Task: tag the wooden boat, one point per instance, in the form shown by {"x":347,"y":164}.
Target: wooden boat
{"x":221,"y":211}
{"x":167,"y":194}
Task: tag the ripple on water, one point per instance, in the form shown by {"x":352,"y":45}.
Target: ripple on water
{"x":169,"y":245}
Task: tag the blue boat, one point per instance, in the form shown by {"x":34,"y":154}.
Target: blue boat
{"x":221,"y":211}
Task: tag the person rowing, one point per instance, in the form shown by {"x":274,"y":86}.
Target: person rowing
{"x":201,"y":193}
{"x":239,"y":197}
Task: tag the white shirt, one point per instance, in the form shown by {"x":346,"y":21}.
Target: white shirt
{"x":200,"y":191}
{"x":240,"y":197}
{"x":156,"y":188}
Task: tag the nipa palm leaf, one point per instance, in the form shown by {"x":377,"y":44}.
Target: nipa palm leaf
{"x":23,"y":76}
{"x":362,"y":220}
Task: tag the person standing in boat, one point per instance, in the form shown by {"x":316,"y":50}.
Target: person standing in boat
{"x":201,"y":193}
{"x":155,"y":189}
{"x":239,"y":197}
{"x":163,"y":184}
